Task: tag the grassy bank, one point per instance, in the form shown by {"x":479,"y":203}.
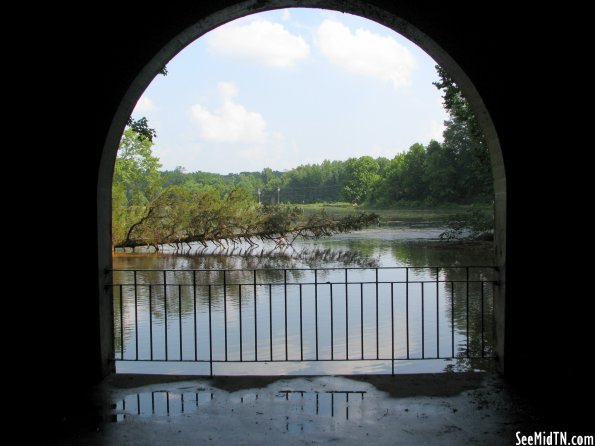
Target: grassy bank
{"x":390,"y":216}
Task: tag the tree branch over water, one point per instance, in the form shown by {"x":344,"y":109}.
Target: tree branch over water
{"x":180,"y":217}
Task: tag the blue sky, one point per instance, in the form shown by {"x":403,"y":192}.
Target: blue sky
{"x":291,"y":87}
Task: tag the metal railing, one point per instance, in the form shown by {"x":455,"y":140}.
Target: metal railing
{"x":284,"y":315}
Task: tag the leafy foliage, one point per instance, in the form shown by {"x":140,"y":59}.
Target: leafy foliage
{"x":141,"y":128}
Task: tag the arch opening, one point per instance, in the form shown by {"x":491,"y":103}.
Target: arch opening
{"x":356,"y":7}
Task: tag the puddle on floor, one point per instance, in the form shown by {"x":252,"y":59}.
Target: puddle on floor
{"x":343,"y":404}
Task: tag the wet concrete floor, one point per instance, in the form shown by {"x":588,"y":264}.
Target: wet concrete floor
{"x":429,"y":409}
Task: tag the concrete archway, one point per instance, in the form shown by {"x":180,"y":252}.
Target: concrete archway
{"x":234,"y":10}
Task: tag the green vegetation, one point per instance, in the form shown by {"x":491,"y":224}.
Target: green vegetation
{"x":147,"y":212}
{"x":152,"y":207}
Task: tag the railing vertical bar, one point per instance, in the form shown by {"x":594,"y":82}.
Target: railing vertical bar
{"x":151,"y":320}
{"x":210,"y":333}
{"x":121,"y":324}
{"x":437,"y":315}
{"x":377,"y":335}
{"x":482,"y":327}
{"x":165,"y":309}
{"x":407,"y":308}
{"x":346,"y":318}
{"x":332,"y":404}
{"x":225,"y":311}
{"x":315,"y":308}
{"x":194,"y":311}
{"x":467,"y":306}
{"x":240,"y":308}
{"x":361,"y":297}
{"x":271,"y":320}
{"x":285,"y":310}
{"x":452,"y":318}
{"x":332,"y":324}
{"x":255,"y":322}
{"x":180,"y":318}
{"x":392,"y":327}
{"x":301,"y":328}
{"x":423,"y":341}
{"x":135,"y":316}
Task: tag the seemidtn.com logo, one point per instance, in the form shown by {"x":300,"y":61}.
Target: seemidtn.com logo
{"x":553,"y":438}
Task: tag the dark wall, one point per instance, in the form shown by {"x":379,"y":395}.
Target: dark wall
{"x":505,"y":53}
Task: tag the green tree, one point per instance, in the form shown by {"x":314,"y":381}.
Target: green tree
{"x":464,"y":138}
{"x":413,"y":174}
{"x":136,"y":183}
{"x":361,"y":177}
{"x":441,"y":174}
{"x":456,"y":104}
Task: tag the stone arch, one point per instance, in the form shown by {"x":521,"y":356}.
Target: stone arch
{"x":363,"y":8}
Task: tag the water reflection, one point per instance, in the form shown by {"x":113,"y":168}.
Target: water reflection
{"x":224,"y":316}
{"x":291,"y":404}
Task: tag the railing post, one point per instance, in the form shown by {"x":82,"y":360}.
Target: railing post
{"x":180,"y":318}
{"x":194,"y":311}
{"x":346,"y":318}
{"x":285,"y":310}
{"x":437,"y":314}
{"x":332,"y":324}
{"x":135,"y":316}
{"x":392,"y":327}
{"x":255,"y":322}
{"x":151,"y":319}
{"x":361,"y":297}
{"x":423,"y":338}
{"x":121,"y":324}
{"x":377,"y":335}
{"x":482,"y":328}
{"x":407,"y":308}
{"x":240,"y":308}
{"x":315,"y":308}
{"x":165,"y":309}
{"x":271,"y":321}
{"x":301,"y":330}
{"x":467,"y":306}
{"x":225,"y":311}
{"x":452,"y":318}
{"x":210,"y":336}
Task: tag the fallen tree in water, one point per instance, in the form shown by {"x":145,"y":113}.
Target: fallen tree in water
{"x":179,"y":217}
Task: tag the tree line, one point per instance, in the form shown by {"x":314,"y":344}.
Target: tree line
{"x":152,"y":207}
{"x":452,"y":172}
{"x":456,"y":171}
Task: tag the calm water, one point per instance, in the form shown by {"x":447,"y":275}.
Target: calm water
{"x":277,"y":322}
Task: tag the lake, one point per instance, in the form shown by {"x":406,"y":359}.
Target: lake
{"x":342,"y":297}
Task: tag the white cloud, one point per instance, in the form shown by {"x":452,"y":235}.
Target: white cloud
{"x":230,"y":123}
{"x":367,"y":53}
{"x":144,"y":105}
{"x":265,"y":41}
